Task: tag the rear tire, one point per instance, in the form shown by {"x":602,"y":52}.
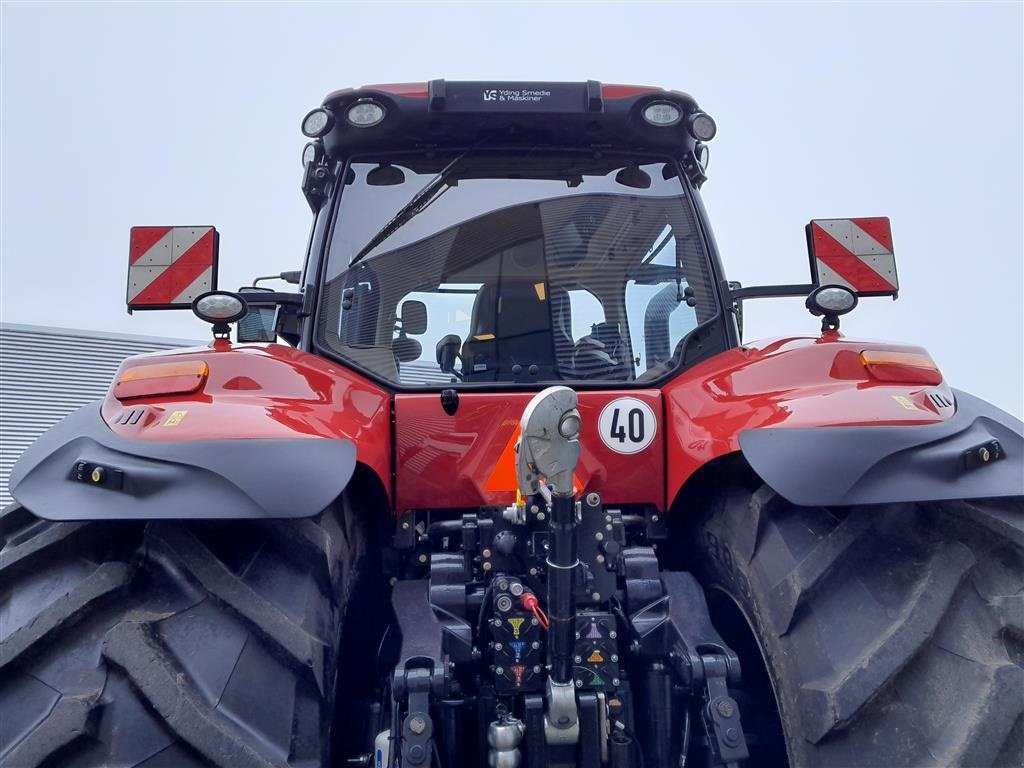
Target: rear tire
{"x":172,"y":643}
{"x":893,"y":635}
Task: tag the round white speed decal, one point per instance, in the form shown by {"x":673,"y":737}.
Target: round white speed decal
{"x":627,"y":425}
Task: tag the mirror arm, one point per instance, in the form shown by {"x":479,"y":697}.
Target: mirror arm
{"x":771,"y":291}
{"x":271,"y":298}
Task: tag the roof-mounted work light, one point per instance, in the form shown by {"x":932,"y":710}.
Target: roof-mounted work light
{"x":317,"y":123}
{"x":365,"y":113}
{"x":662,"y":113}
{"x":701,"y":126}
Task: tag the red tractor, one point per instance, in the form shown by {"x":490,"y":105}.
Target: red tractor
{"x":513,"y":490}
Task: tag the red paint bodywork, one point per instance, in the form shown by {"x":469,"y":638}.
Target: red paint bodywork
{"x":442,"y":461}
{"x":792,"y":382}
{"x":446,"y":461}
{"x":265,"y":391}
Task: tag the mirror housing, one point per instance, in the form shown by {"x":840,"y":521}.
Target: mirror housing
{"x":385,"y":175}
{"x":406,"y":350}
{"x":258,"y":325}
{"x":414,"y":317}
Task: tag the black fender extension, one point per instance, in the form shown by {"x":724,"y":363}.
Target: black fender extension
{"x":195,"y":479}
{"x":977,"y":453}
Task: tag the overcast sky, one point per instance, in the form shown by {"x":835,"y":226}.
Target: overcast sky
{"x":125,"y":114}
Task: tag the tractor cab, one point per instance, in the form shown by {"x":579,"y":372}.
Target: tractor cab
{"x":509,"y":236}
{"x":562,"y":268}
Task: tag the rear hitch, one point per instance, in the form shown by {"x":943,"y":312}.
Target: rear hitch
{"x":539,"y":621}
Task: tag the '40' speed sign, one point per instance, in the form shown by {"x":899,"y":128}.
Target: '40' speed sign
{"x":627,"y":425}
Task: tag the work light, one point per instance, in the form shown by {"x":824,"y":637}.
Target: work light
{"x":219,"y":307}
{"x":317,"y":123}
{"x":365,"y":114}
{"x":831,"y":300}
{"x":662,"y":113}
{"x":701,"y":126}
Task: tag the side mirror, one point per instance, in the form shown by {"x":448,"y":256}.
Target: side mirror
{"x":448,"y":352}
{"x":853,"y":253}
{"x":633,"y":176}
{"x":414,"y":317}
{"x":406,"y":350}
{"x":703,"y":156}
{"x":169,"y":267}
{"x":385,"y":175}
{"x":258,"y":324}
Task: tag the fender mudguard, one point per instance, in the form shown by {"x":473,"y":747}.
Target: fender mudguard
{"x":204,"y":479}
{"x":846,"y":465}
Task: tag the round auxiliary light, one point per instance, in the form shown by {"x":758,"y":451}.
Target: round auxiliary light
{"x":317,"y":123}
{"x":310,"y":153}
{"x":220,"y":307}
{"x":365,"y":114}
{"x":662,"y":113}
{"x":831,"y":300}
{"x":701,"y":126}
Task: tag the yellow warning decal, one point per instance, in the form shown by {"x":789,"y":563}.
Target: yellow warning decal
{"x":906,"y":402}
{"x":595,"y":657}
{"x":516,"y":624}
{"x":175,"y":418}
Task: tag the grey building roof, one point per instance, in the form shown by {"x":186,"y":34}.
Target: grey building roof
{"x":45,"y":373}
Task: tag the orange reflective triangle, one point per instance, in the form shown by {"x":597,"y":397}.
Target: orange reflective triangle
{"x":595,"y":658}
{"x":503,"y":477}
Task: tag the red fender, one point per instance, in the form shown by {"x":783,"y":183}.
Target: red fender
{"x":262,"y":391}
{"x":790,"y":382}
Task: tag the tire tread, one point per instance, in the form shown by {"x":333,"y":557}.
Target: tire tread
{"x":930,"y":670}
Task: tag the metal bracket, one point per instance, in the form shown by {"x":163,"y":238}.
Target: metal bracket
{"x":721,"y":714}
{"x":670,"y":620}
{"x":562,"y":722}
{"x":417,"y":728}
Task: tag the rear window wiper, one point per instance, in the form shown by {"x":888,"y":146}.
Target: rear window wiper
{"x":419,"y":203}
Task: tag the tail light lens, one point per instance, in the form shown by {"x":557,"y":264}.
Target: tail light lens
{"x":161,"y":379}
{"x":901,"y":367}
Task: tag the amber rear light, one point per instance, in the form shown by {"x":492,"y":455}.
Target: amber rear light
{"x":901,"y":367}
{"x":161,"y":379}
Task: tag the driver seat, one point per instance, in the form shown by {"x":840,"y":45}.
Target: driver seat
{"x":510,"y":326}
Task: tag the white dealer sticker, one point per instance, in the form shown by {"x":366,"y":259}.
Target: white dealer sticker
{"x":627,"y":425}
{"x":516,"y":94}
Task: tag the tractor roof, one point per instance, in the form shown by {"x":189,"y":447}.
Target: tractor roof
{"x":441,"y":113}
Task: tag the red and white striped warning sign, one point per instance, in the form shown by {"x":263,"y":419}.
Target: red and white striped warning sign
{"x":856,"y":253}
{"x":170,"y":266}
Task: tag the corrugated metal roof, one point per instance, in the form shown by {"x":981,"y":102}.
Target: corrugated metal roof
{"x":45,"y":373}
